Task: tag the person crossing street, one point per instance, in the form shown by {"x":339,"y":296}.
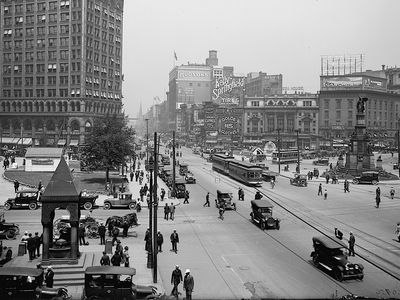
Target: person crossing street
{"x":207,"y":203}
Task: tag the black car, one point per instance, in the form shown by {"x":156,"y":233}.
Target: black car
{"x":262,"y":214}
{"x":329,"y":254}
{"x":368,"y":177}
{"x":24,"y":198}
{"x":8,"y":230}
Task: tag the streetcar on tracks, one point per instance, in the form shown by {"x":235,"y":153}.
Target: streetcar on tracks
{"x":248,"y":173}
{"x":286,"y":156}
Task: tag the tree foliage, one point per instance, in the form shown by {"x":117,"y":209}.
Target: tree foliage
{"x":109,"y":142}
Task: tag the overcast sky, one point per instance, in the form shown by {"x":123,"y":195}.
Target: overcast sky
{"x":284,"y":37}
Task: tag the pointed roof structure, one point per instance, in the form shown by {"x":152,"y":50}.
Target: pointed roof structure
{"x":140,"y":114}
{"x":61,"y":187}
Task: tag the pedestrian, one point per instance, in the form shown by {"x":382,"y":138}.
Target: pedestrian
{"x":397,"y":231}
{"x":38,"y":241}
{"x":115,"y":233}
{"x":49,"y":277}
{"x":320,"y":189}
{"x":119,"y":247}
{"x":147,"y":239}
{"x":81,"y":234}
{"x":25,"y":237}
{"x":31,"y":246}
{"x":162,"y":194}
{"x":110,"y":228}
{"x":392,"y":193}
{"x":166,"y":211}
{"x":346,"y":186}
{"x":330,"y":166}
{"x":131,"y":175}
{"x":176,"y":279}
{"x":40,"y":186}
{"x":125,"y":229}
{"x":125,"y":257}
{"x":102,"y":234}
{"x":160,"y":241}
{"x":327,"y":178}
{"x":207,"y":200}
{"x":378,"y":197}
{"x":325,"y":194}
{"x":172,"y":211}
{"x":186,"y":201}
{"x":257,"y":196}
{"x":141,"y":193}
{"x":116,"y":259}
{"x":136,"y":175}
{"x":352,"y":241}
{"x":145,"y":188}
{"x":188,"y":284}
{"x":16,"y":185}
{"x":174,"y":241}
{"x":105,"y":259}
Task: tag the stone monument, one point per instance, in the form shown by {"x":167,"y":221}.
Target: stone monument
{"x":360,"y":157}
{"x":60,"y":193}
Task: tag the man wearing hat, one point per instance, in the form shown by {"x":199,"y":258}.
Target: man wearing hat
{"x":174,"y":241}
{"x":102,"y":234}
{"x":188,"y":284}
{"x":160,"y":241}
{"x":49,"y":277}
{"x":352,"y":241}
{"x":176,"y":278}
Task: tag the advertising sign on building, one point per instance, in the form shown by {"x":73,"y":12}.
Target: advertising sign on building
{"x":341,"y":82}
{"x":374,"y":83}
{"x":209,"y":118}
{"x":227,"y":90}
{"x":229,"y":125}
{"x":194,"y":74}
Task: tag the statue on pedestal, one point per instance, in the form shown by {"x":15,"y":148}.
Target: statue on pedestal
{"x":361,"y":105}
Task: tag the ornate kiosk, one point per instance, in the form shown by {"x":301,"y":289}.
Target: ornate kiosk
{"x":60,"y":193}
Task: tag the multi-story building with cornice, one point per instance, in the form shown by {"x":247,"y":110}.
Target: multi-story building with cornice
{"x":60,"y":68}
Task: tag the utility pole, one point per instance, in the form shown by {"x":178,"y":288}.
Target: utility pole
{"x":173,"y":163}
{"x":150,"y":207}
{"x":298,"y":151}
{"x":279,"y":151}
{"x":398,"y":149}
{"x":147,"y":141}
{"x":155,"y":204}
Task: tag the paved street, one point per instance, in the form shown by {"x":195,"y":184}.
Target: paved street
{"x":234,"y":259}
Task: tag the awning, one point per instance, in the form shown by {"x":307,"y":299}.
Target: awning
{"x":7,"y":140}
{"x":61,"y":142}
{"x":211,"y":142}
{"x":26,"y":141}
{"x":73,"y":143}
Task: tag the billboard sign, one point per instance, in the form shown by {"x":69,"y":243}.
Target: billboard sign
{"x":227,"y":90}
{"x":194,"y":75}
{"x":341,"y":82}
{"x":229,"y":125}
{"x":374,"y":83}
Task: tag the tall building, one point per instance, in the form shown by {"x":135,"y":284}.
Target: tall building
{"x":261,"y":84}
{"x":60,"y":65}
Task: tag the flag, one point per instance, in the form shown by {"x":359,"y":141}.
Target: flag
{"x":176,"y":57}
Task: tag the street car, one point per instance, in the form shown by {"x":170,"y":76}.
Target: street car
{"x":261,"y":214}
{"x":24,"y":198}
{"x":123,"y":200}
{"x":329,"y":253}
{"x":321,"y":162}
{"x":109,"y":283}
{"x":299,"y":180}
{"x":367,"y":177}
{"x":226,"y":199}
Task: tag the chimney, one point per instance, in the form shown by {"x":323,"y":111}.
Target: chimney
{"x":383,"y":67}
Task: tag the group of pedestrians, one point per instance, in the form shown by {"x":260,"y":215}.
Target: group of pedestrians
{"x":169,"y":211}
{"x":120,"y":257}
{"x":188,"y":282}
{"x":320,"y":193}
{"x":32,"y":244}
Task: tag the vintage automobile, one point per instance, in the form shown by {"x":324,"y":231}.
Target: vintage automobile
{"x":122,"y":200}
{"x":189,"y":178}
{"x":367,"y":177}
{"x":183,"y":169}
{"x":109,"y":283}
{"x":262,"y":214}
{"x":226,"y":199}
{"x":24,"y":198}
{"x":5,"y":254}
{"x":87,"y":200}
{"x":269,"y":175}
{"x":299,"y":180}
{"x":321,"y":162}
{"x":329,"y":254}
{"x":180,"y":185}
{"x":26,"y":283}
{"x":8,"y":230}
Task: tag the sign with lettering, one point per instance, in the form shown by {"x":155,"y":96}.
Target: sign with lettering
{"x":341,"y":82}
{"x":42,"y":162}
{"x":194,"y":75}
{"x":227,"y":88}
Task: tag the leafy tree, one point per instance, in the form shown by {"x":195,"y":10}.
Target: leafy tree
{"x":109,"y":142}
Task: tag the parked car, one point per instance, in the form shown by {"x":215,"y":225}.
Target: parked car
{"x":189,"y":178}
{"x":395,"y":166}
{"x":123,"y":200}
{"x":329,"y":254}
{"x":299,"y":180}
{"x":24,"y":198}
{"x":109,"y":282}
{"x":261,"y":214}
{"x":321,"y":162}
{"x":26,"y":283}
{"x":8,"y":230}
{"x":367,"y":177}
{"x":5,"y":254}
{"x":225,"y":198}
{"x":87,"y":200}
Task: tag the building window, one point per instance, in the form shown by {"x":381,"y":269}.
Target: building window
{"x":338,"y":115}
{"x":326,"y":114}
{"x":338,"y":103}
{"x":326,"y":103}
{"x":39,"y":92}
{"x":307,"y":103}
{"x":350,"y":114}
{"x":255,"y":103}
{"x":51,"y":92}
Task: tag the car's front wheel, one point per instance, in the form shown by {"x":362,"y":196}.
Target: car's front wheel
{"x":355,"y":181}
{"x":10,"y":234}
{"x":339,"y":275}
{"x":107,"y":205}
{"x":315,"y":259}
{"x":374,"y":182}
{"x":33,"y":206}
{"x":7,"y":206}
{"x":262,"y":225}
{"x":88,"y":205}
{"x":132,"y":205}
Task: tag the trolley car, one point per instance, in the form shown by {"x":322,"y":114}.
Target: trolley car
{"x":286,"y":156}
{"x":245,"y":172}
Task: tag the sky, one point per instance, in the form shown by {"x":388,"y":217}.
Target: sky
{"x":285,"y":37}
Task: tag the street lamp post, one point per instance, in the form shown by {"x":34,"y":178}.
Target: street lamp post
{"x":279,"y":151}
{"x":398,"y":149}
{"x":173,"y":163}
{"x":150,"y":206}
{"x":155,"y":204}
{"x":147,"y":141}
{"x":298,"y":152}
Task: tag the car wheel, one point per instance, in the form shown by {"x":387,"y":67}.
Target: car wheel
{"x":10,"y":234}
{"x":33,"y":206}
{"x":339,"y":275}
{"x":355,"y":181}
{"x":361,"y":277}
{"x":262,"y":225}
{"x":374,"y":182}
{"x":315,"y":259}
{"x":252,"y":217}
{"x":277,"y":226}
{"x":87,"y":205}
{"x":7,"y":206}
{"x":132,"y":205}
{"x":107,"y":205}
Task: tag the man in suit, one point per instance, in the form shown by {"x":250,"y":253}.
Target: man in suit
{"x":31,"y":245}
{"x":174,"y":241}
{"x":38,"y":241}
{"x":188,"y":284}
{"x":102,"y":234}
{"x":49,"y":277}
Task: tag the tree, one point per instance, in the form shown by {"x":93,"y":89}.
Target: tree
{"x":110,"y":141}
